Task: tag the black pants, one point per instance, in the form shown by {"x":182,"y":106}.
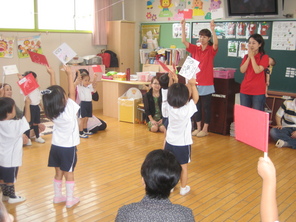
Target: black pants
{"x":203,"y":108}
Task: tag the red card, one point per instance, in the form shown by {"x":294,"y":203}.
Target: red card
{"x":38,"y":58}
{"x":251,"y":127}
{"x":164,"y":66}
{"x":97,"y":68}
{"x":28,"y":84}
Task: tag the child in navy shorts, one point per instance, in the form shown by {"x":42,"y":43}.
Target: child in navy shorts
{"x":62,"y":110}
{"x":11,"y":146}
{"x":178,"y":135}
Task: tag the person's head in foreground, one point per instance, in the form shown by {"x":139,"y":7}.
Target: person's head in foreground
{"x":161,"y":172}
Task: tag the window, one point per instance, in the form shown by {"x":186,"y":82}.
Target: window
{"x":65,"y":15}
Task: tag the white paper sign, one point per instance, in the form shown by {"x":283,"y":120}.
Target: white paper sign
{"x":217,"y":13}
{"x":64,"y":53}
{"x":11,"y":69}
{"x":189,"y":68}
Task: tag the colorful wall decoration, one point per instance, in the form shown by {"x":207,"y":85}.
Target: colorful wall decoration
{"x":168,"y":10}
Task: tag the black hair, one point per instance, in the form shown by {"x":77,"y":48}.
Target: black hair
{"x":258,"y":38}
{"x":28,"y":72}
{"x":154,"y":77}
{"x":54,"y":102}
{"x":2,"y":85}
{"x":161,"y":172}
{"x":6,"y":107}
{"x":206,"y":32}
{"x":82,"y":71}
{"x":178,"y":95}
{"x":164,"y":81}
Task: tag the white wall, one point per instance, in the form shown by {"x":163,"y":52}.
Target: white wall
{"x":80,"y":43}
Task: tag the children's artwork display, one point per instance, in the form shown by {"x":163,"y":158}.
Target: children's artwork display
{"x":26,"y":44}
{"x":6,"y":47}
{"x":150,"y":36}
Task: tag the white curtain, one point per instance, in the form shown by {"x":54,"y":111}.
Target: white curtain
{"x":101,"y":16}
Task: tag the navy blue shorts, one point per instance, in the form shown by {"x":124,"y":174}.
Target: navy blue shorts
{"x":35,"y":114}
{"x":165,"y":122}
{"x":8,"y":174}
{"x":64,"y":158}
{"x":182,"y":153}
{"x":85,"y":109}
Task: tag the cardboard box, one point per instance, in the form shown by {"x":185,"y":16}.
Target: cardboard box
{"x":127,"y":109}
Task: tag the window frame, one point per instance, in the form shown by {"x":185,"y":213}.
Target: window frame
{"x":36,"y":29}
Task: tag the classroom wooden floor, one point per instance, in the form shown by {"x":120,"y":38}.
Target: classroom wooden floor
{"x":222,"y":175}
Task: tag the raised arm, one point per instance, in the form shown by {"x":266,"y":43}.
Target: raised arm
{"x":214,"y":38}
{"x":50,"y":71}
{"x":71,"y":86}
{"x":193,"y":90}
{"x":27,"y":112}
{"x":268,"y":208}
{"x":184,"y":41}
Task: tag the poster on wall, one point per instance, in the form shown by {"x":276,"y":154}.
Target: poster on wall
{"x":196,"y":27}
{"x":6,"y":47}
{"x":177,"y":30}
{"x":31,"y":43}
{"x":150,"y":36}
{"x":232,"y":48}
{"x":283,"y":36}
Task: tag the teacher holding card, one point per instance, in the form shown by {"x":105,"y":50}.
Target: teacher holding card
{"x":204,"y":52}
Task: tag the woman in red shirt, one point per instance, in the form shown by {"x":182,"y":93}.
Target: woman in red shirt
{"x":204,"y":53}
{"x":253,"y":86}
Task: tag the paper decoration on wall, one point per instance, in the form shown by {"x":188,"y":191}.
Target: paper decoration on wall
{"x":177,"y":30}
{"x":28,"y":84}
{"x":232,"y":48}
{"x":9,"y":70}
{"x":230,"y":30}
{"x":64,"y":53}
{"x":165,"y":5}
{"x":241,"y":30}
{"x":150,"y":4}
{"x":197,"y":6}
{"x":243,"y":49}
{"x":245,"y":119}
{"x":197,"y":27}
{"x":6,"y":47}
{"x":150,"y":36}
{"x":283,"y":36}
{"x":189,"y":68}
{"x":38,"y":58}
{"x":25,"y":44}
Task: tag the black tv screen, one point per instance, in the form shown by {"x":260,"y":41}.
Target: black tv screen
{"x":252,"y":7}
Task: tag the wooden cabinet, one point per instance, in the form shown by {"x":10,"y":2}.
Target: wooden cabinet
{"x":223,"y":100}
{"x":121,"y":40}
{"x":64,"y":82}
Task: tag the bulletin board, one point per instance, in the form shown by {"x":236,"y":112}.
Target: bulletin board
{"x":285,"y":59}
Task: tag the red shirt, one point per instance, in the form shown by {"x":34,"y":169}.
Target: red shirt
{"x":254,"y":84}
{"x":206,"y":58}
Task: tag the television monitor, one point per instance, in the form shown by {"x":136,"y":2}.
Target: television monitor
{"x":252,"y":7}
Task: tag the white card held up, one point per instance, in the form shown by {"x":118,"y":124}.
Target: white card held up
{"x":64,"y":53}
{"x":11,"y":69}
{"x":189,"y":68}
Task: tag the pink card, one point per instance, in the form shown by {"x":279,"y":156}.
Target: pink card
{"x":38,"y":58}
{"x":97,"y":68}
{"x":251,"y":127}
{"x":28,"y":84}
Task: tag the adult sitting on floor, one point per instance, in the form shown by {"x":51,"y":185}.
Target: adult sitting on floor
{"x":284,"y":133}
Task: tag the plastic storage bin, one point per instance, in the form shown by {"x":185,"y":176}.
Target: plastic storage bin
{"x":224,"y":73}
{"x":127,"y":105}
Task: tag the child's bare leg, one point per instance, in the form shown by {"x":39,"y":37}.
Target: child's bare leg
{"x":184,"y":175}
